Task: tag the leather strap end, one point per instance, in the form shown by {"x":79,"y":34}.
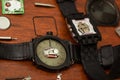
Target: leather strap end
{"x":105,"y":55}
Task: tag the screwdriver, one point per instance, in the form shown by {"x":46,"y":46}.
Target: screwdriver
{"x":7,"y":38}
{"x":44,"y":5}
{"x":20,"y":78}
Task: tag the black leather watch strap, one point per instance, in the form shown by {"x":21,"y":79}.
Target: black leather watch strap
{"x":76,"y":53}
{"x":67,"y":7}
{"x":91,"y":63}
{"x":110,"y":55}
{"x":19,"y":51}
{"x":106,"y":55}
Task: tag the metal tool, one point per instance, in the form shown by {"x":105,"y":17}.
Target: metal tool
{"x":59,"y":76}
{"x":20,"y":78}
{"x":44,"y":5}
{"x":7,"y":38}
{"x":27,"y":78}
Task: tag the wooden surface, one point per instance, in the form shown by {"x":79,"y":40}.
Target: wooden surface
{"x":22,"y":28}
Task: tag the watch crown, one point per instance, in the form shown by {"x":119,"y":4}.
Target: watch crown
{"x":49,"y":33}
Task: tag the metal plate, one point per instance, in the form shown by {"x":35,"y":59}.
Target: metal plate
{"x":4,"y":23}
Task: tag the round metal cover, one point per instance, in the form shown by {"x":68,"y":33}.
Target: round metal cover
{"x":103,"y":12}
{"x":4,"y":23}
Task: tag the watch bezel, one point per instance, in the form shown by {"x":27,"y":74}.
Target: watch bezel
{"x":42,"y":65}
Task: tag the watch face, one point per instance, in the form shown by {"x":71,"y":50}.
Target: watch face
{"x":84,"y":27}
{"x":51,"y":52}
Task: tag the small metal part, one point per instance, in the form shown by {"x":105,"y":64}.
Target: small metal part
{"x":44,"y":5}
{"x":4,"y":23}
{"x":7,"y":38}
{"x":117,"y":30}
{"x":27,"y":78}
{"x":59,"y":76}
{"x":20,"y":78}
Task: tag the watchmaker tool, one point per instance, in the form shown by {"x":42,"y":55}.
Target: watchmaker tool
{"x":7,"y":38}
{"x":20,"y":78}
{"x":44,"y":5}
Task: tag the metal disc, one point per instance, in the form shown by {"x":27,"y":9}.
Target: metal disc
{"x":4,"y":23}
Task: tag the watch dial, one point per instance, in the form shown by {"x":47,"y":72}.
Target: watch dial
{"x":51,"y":52}
{"x":84,"y":27}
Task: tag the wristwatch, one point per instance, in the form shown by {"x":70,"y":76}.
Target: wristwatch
{"x":103,"y":12}
{"x":47,"y":52}
{"x":86,"y":34}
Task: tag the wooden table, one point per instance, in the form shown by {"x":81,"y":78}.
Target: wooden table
{"x":22,"y":28}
